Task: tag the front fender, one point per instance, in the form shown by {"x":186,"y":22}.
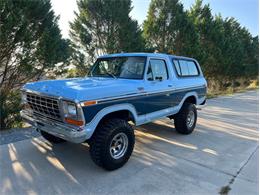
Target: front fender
{"x":91,"y":126}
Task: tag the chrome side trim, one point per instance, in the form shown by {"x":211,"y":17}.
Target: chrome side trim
{"x":103,"y":100}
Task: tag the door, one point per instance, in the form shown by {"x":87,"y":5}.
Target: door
{"x":157,"y":86}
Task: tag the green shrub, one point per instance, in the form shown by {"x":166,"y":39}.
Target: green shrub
{"x":9,"y":110}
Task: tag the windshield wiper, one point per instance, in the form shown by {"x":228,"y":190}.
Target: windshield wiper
{"x":110,"y":74}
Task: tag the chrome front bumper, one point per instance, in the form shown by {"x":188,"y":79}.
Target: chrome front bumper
{"x":61,"y":130}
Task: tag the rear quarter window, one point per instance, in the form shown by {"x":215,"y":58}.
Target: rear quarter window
{"x":186,"y":68}
{"x":192,"y":67}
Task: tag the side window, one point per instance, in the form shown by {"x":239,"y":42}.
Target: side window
{"x":193,"y":70}
{"x":177,"y":66}
{"x":157,"y":70}
{"x":149,"y":73}
{"x":184,"y":68}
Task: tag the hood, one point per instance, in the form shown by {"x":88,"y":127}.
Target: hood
{"x":89,"y":88}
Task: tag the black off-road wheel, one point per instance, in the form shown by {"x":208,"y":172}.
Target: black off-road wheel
{"x":51,"y":138}
{"x":112,"y":144}
{"x":185,"y":120}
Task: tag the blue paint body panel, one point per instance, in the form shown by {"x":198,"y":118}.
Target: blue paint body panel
{"x":144,"y":104}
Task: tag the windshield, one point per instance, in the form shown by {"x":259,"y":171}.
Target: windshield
{"x":119,"y":67}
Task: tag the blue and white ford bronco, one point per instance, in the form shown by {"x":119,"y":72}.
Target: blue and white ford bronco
{"x":120,"y":88}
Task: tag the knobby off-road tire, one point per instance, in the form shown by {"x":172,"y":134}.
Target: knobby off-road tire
{"x":51,"y":138}
{"x":185,"y":120}
{"x":109,"y":135}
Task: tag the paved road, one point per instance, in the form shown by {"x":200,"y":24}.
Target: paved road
{"x":221,"y":154}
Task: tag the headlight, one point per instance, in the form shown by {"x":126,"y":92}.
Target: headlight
{"x":72,"y":110}
{"x":72,"y":113}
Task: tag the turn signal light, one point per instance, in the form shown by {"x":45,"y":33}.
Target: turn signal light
{"x":74,"y":122}
{"x":88,"y":103}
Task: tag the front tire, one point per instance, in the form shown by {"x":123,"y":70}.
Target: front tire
{"x":185,"y":120}
{"x":112,"y":144}
{"x":51,"y":138}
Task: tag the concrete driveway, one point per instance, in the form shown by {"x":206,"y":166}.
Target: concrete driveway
{"x":221,"y":155}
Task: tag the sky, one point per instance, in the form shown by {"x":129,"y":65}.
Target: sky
{"x":245,"y":11}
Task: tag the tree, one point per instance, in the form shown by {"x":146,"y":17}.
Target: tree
{"x":210,"y":35}
{"x":30,"y":45}
{"x":103,"y":26}
{"x":233,"y":49}
{"x":251,"y":64}
{"x":227,"y":51}
{"x":168,"y":29}
{"x":239,"y":50}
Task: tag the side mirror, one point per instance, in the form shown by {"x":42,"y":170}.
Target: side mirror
{"x":159,"y":78}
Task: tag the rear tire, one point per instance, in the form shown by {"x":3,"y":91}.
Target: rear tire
{"x":112,"y":144}
{"x":185,"y":120}
{"x":52,"y":138}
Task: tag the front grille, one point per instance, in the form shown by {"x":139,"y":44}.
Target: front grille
{"x":43,"y":105}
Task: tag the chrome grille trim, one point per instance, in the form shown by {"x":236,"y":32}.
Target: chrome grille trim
{"x":43,"y":105}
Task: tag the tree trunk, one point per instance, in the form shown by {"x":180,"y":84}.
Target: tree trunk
{"x":2,"y":118}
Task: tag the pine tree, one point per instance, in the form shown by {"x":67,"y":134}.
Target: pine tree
{"x":210,"y":36}
{"x":103,"y":26}
{"x":30,"y":45}
{"x":227,"y":50}
{"x":168,"y":29}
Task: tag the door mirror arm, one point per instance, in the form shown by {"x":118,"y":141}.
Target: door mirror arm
{"x":159,"y":78}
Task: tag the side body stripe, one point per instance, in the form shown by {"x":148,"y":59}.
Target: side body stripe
{"x":144,"y":103}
